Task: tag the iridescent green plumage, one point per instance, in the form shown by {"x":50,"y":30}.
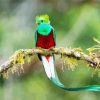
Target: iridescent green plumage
{"x":44,"y":18}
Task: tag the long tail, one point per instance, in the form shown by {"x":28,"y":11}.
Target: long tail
{"x":48,"y":63}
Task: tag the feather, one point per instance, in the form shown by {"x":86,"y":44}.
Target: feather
{"x":48,"y":64}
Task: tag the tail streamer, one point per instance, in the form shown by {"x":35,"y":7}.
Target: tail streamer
{"x":52,"y":75}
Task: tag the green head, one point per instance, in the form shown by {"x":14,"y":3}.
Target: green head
{"x":44,"y":26}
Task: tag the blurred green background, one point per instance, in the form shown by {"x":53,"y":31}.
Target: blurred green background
{"x":76,"y":22}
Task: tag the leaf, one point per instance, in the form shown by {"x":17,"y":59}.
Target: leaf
{"x":91,"y":49}
{"x":96,"y":40}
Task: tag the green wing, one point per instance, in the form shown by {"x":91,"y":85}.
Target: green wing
{"x":54,"y":35}
{"x":35,"y":37}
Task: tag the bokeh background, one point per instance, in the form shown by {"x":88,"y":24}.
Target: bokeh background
{"x":76,"y":22}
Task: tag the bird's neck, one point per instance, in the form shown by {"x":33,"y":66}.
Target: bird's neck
{"x":44,"y":29}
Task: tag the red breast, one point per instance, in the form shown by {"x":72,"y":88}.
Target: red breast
{"x":45,"y":41}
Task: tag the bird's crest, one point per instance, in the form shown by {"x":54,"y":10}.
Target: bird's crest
{"x":42,"y":18}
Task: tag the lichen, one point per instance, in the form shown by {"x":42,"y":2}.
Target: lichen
{"x":69,"y":62}
{"x":19,"y":58}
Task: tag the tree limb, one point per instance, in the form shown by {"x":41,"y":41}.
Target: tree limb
{"x":20,"y":57}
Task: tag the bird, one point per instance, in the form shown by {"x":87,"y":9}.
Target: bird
{"x":45,"y":37}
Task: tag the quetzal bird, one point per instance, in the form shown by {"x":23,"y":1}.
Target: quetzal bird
{"x":45,"y":37}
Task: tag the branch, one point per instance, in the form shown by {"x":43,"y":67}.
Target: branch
{"x":69,"y":56}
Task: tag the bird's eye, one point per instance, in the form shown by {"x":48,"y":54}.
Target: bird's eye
{"x":42,"y":21}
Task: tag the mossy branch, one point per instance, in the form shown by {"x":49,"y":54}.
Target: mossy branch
{"x":69,"y":56}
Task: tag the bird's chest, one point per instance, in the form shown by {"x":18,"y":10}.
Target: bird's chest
{"x":45,"y":41}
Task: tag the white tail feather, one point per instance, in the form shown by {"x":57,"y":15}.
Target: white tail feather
{"x":51,"y":63}
{"x":49,"y":66}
